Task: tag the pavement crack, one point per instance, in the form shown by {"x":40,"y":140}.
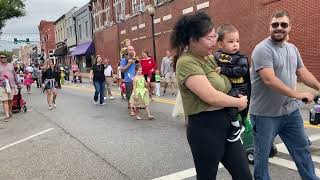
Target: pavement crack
{"x":85,"y":146}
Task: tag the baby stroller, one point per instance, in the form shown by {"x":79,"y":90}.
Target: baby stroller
{"x":18,"y":102}
{"x":247,"y":140}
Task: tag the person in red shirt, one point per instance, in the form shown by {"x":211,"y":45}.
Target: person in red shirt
{"x":148,"y":70}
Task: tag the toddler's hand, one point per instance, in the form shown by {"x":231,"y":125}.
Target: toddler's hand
{"x":218,"y":70}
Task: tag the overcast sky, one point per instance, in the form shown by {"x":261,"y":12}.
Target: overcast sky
{"x":36,"y":10}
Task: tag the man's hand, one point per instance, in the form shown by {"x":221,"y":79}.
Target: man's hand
{"x":305,"y":95}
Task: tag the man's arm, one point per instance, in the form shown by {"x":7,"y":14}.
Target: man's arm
{"x":269,"y":78}
{"x":307,"y":78}
{"x":125,"y":68}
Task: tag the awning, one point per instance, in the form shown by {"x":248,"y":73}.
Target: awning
{"x":61,"y":51}
{"x":85,"y":48}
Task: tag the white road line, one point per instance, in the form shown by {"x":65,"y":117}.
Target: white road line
{"x":275,"y":160}
{"x":25,"y":139}
{"x":288,"y":164}
{"x":18,"y":113}
{"x":182,"y":174}
{"x":282,"y":148}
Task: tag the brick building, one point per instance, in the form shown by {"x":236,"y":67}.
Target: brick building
{"x":117,"y":20}
{"x":47,"y":39}
{"x":25,"y":54}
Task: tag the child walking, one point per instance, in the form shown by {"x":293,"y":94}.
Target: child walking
{"x":28,"y":81}
{"x":235,"y":66}
{"x":62,"y":76}
{"x":158,"y":80}
{"x":140,"y":94}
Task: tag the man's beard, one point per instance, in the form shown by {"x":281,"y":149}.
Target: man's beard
{"x":276,"y":38}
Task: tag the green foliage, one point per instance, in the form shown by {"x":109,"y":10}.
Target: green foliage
{"x":11,"y":9}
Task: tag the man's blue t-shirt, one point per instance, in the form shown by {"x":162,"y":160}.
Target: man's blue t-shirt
{"x":131,"y":71}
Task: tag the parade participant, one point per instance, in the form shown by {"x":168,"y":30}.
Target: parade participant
{"x":98,"y":79}
{"x":108,"y":73}
{"x":158,"y":81}
{"x":62,"y":75}
{"x":168,"y":73}
{"x":49,"y":85}
{"x":204,"y":98}
{"x":74,"y":67}
{"x":274,"y":106}
{"x":37,"y":75}
{"x":57,"y":72}
{"x":140,"y":94}
{"x":8,"y":82}
{"x":128,"y":68}
{"x":148,"y":70}
{"x":28,"y":81}
{"x":124,"y":50}
{"x":236,"y":67}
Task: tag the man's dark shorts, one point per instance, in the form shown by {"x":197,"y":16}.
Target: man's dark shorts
{"x":129,"y":88}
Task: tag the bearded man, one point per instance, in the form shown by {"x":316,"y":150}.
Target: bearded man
{"x":274,"y":106}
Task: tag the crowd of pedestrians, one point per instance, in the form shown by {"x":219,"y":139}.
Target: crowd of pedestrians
{"x":214,"y":88}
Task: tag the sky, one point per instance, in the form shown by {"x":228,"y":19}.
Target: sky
{"x":27,"y":26}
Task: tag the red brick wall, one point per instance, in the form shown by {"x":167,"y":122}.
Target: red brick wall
{"x":47,"y":28}
{"x":106,"y":44}
{"x":251,"y":17}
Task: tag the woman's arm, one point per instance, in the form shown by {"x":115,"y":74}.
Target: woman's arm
{"x":200,"y":85}
{"x":91,"y":75}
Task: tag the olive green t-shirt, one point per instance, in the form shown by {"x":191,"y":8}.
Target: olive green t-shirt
{"x":188,"y":65}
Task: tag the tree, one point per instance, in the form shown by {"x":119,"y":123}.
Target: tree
{"x":10,"y":9}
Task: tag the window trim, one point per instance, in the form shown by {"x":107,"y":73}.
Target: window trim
{"x":122,"y":9}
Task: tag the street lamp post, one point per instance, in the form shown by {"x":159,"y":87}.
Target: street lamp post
{"x":151,"y":11}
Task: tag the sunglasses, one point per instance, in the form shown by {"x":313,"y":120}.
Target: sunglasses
{"x":284,"y":25}
{"x":3,"y":57}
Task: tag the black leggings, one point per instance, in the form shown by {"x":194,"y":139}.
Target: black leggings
{"x":207,"y":133}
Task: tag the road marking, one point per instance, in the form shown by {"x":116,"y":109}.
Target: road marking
{"x":182,"y":174}
{"x":288,"y":164}
{"x":307,"y":124}
{"x":281,"y":147}
{"x":17,"y":113}
{"x":25,"y":139}
{"x":275,"y":160}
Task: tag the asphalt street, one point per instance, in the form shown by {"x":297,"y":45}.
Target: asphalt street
{"x":81,"y":140}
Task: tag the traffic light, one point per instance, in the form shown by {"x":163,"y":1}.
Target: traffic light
{"x":27,"y":41}
{"x":15,"y":40}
